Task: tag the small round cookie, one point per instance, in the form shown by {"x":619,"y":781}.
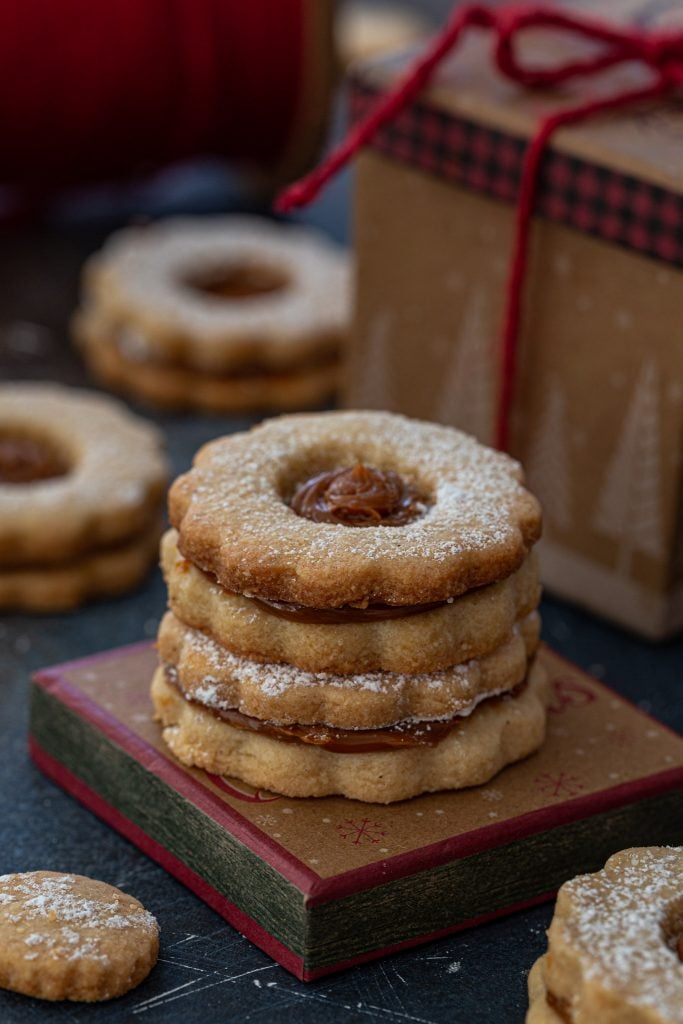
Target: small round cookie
{"x":353,"y":508}
{"x":222,"y":314}
{"x":614,"y":945}
{"x":71,"y":937}
{"x":78,"y":473}
{"x":495,"y":733}
{"x":286,"y":695}
{"x":455,"y":631}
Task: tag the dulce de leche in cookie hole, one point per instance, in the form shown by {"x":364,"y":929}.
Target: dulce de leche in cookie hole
{"x":244,"y":279}
{"x":358,"y":495}
{"x":27,"y":459}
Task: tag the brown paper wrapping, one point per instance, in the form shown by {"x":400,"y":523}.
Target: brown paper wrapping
{"x":598,"y":418}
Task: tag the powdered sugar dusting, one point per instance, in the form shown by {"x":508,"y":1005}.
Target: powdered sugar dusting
{"x":621,"y":923}
{"x":63,"y":921}
{"x":462,"y":683}
{"x":147,"y":266}
{"x":479,"y":515}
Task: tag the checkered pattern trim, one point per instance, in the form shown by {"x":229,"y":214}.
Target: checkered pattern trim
{"x":594,"y":199}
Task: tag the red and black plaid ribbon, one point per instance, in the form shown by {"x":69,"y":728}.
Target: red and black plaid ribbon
{"x":595,"y":199}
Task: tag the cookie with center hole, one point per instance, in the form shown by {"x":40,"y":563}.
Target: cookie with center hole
{"x":82,"y":483}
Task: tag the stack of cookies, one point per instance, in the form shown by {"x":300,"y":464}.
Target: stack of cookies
{"x":222,"y":314}
{"x":352,"y":609}
{"x":82,"y":484}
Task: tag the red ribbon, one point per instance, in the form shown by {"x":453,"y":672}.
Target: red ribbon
{"x":661,"y":52}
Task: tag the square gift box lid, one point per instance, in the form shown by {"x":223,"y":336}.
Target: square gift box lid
{"x":321,"y":884}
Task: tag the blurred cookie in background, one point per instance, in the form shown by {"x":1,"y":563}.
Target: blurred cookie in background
{"x":222,"y":314}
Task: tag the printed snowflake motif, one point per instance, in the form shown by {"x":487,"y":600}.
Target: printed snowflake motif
{"x":265,"y":819}
{"x":492,"y":795}
{"x":559,"y":783}
{"x":362,"y":832}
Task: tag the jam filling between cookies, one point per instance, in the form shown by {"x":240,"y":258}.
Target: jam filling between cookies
{"x":358,"y":495}
{"x":243,"y":280}
{"x":345,"y":741}
{"x":24,"y":460}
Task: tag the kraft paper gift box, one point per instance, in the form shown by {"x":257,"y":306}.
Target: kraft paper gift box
{"x":598,"y":413}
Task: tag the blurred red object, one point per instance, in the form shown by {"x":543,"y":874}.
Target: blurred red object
{"x":99,"y":89}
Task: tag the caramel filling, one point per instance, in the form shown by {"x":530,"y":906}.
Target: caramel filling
{"x":344,"y":741}
{"x":24,"y":460}
{"x":325,"y":357}
{"x":359,"y":495}
{"x":560,"y":1006}
{"x":245,"y":280}
{"x":294,"y":612}
{"x":347,"y":613}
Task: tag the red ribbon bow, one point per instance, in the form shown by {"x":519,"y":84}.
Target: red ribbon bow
{"x":661,"y":52}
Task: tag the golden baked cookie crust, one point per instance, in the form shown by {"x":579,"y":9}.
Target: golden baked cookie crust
{"x":283,"y":694}
{"x":234,"y":521}
{"x":179,"y":387}
{"x":495,"y":734}
{"x":70,"y":937}
{"x":139,"y":281}
{"x":468,"y":627}
{"x":61,"y":587}
{"x":611,"y":944}
{"x":113,"y":485}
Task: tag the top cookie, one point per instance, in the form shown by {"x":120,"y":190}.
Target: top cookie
{"x":388,"y":510}
{"x":160,"y":284}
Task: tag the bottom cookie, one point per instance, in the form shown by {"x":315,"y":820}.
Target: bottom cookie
{"x":179,"y":387}
{"x":498,"y":732}
{"x":103,"y":573}
{"x":71,"y":937}
{"x":540,"y":1011}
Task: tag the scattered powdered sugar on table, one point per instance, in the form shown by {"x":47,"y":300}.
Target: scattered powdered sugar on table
{"x":619,"y":924}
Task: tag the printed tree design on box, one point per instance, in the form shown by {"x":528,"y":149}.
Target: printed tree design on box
{"x":547,"y":463}
{"x":465,"y":398}
{"x":629,"y":504}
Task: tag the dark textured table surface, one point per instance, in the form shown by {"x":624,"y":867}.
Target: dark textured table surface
{"x":208,"y":972}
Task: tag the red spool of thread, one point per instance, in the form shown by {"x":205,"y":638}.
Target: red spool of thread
{"x":94,"y":91}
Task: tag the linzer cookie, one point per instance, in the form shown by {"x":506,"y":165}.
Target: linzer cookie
{"x":71,"y":937}
{"x":222,"y":314}
{"x":81,"y":489}
{"x":353,"y":609}
{"x":615,"y":945}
